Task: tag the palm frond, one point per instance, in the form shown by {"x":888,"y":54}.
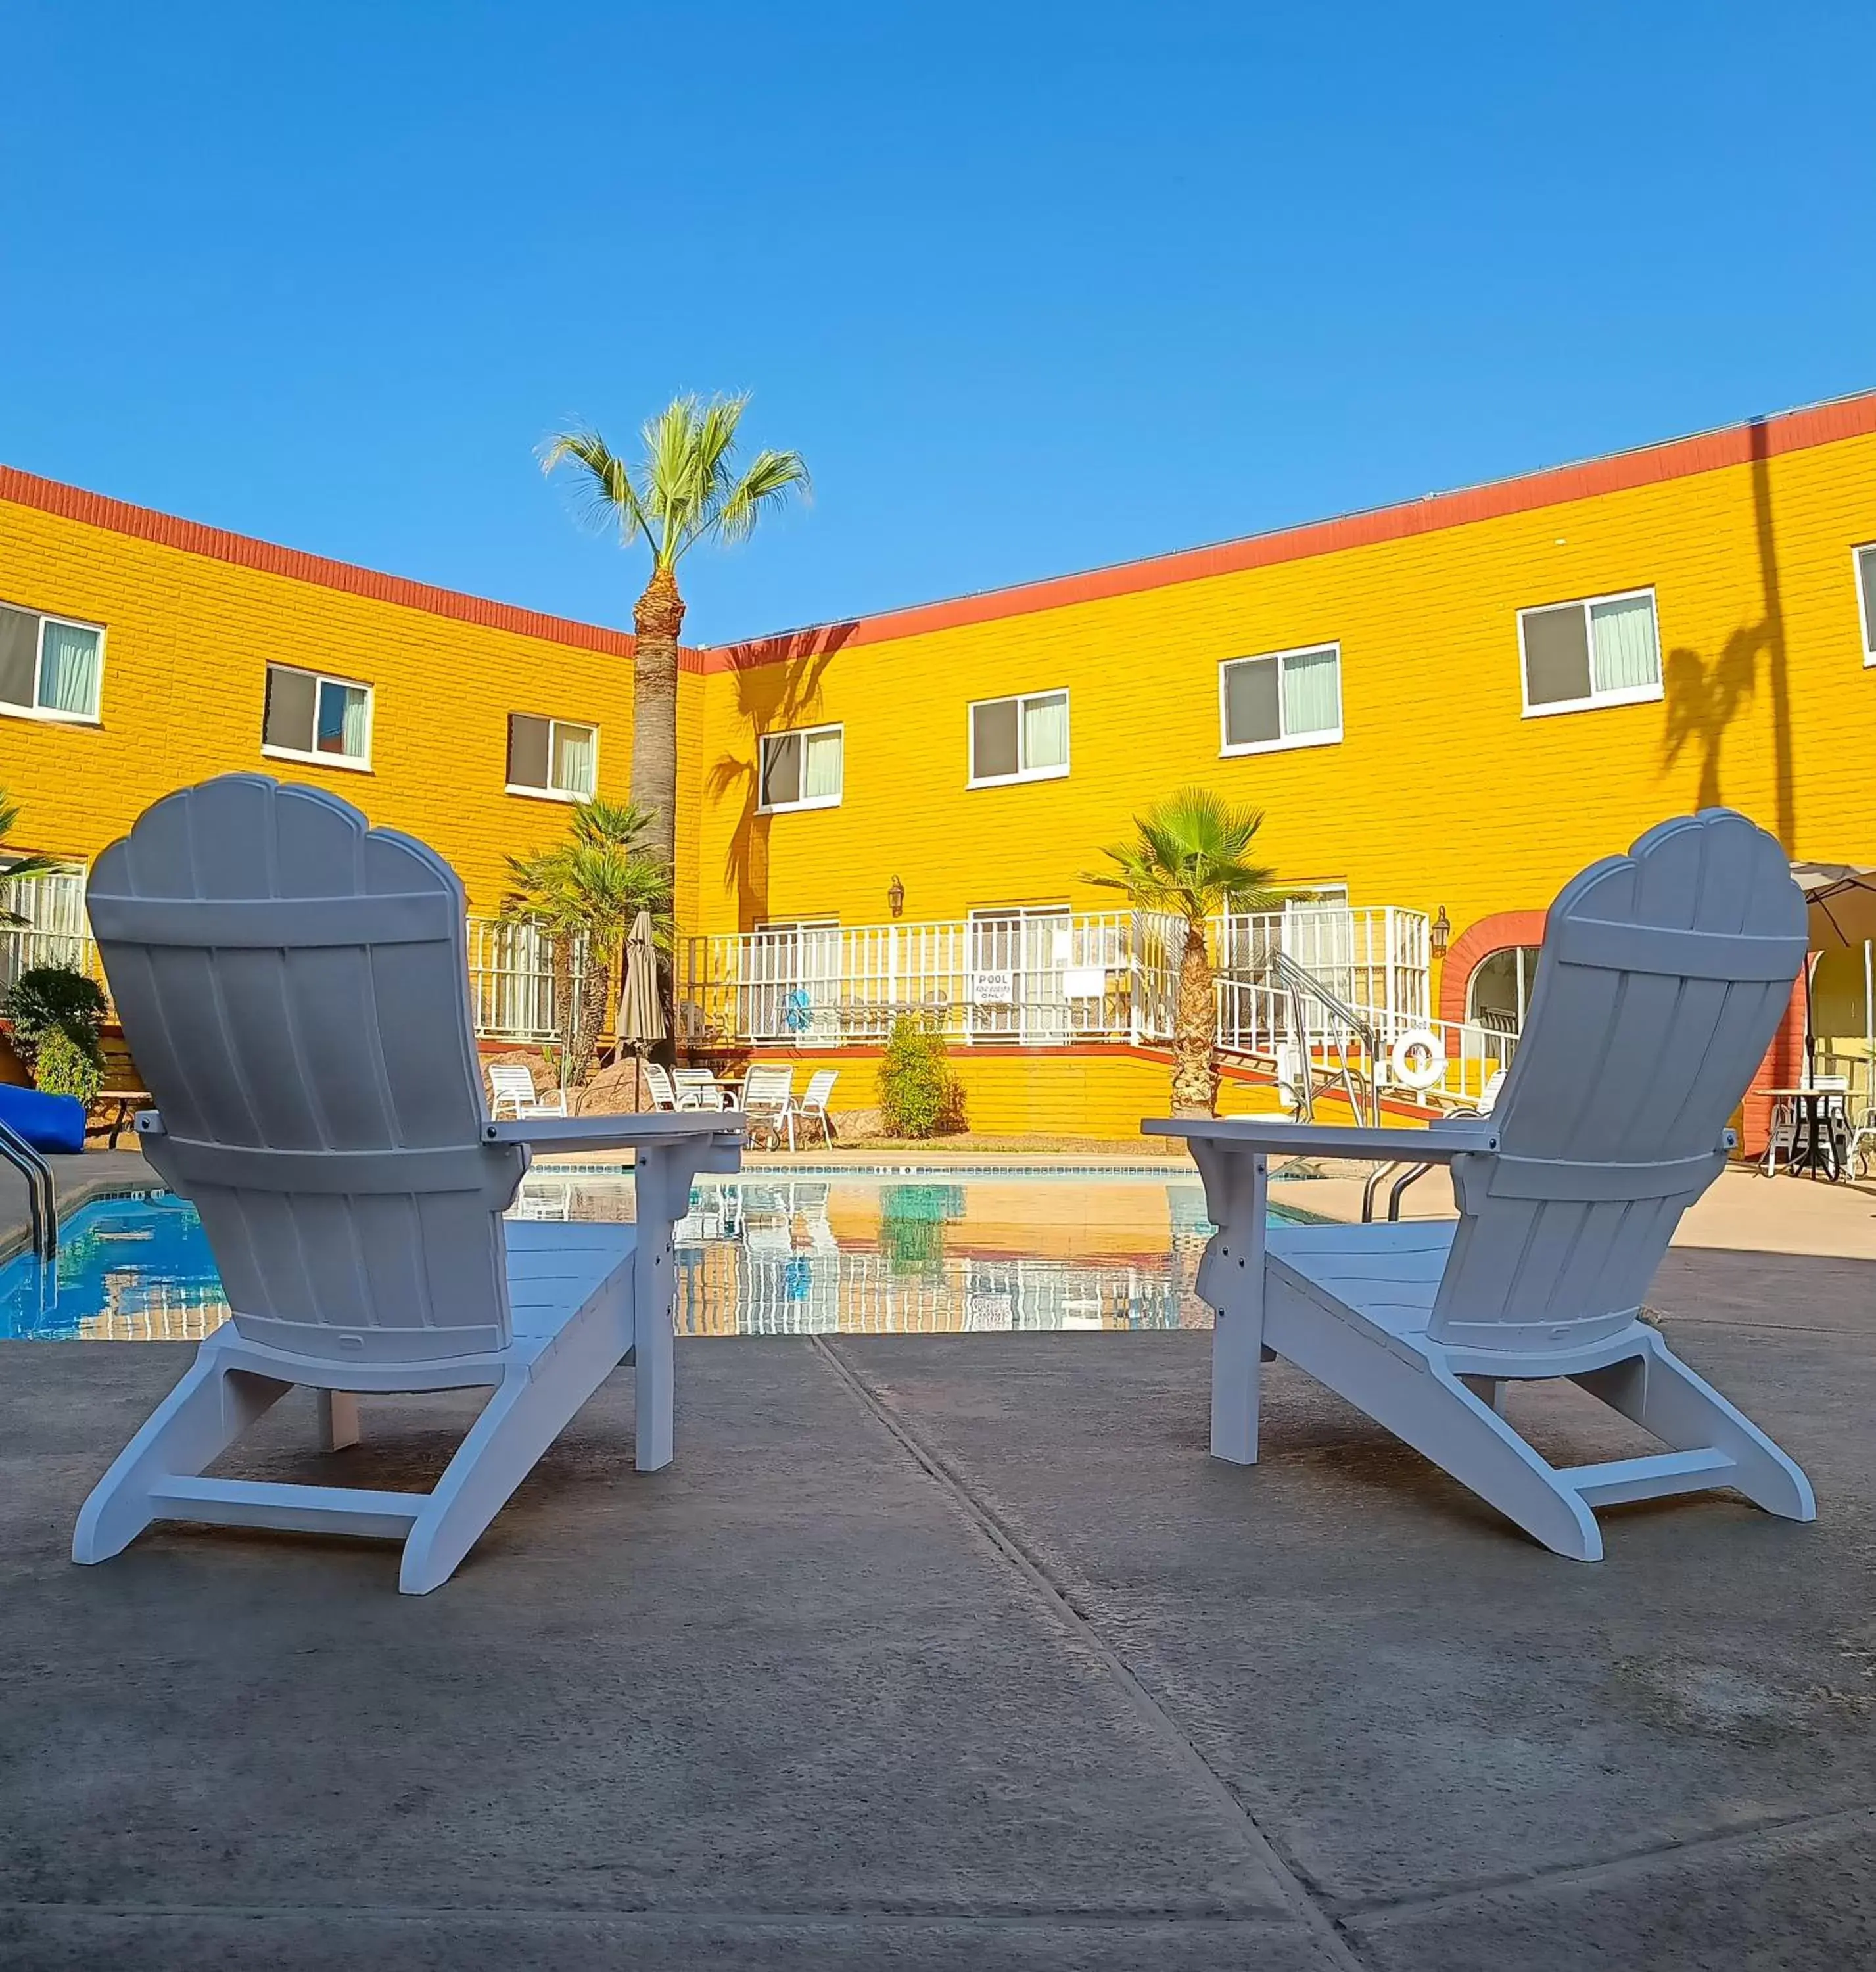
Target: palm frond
{"x":1189,"y":856}
{"x":772,"y":476}
{"x":612,"y":496}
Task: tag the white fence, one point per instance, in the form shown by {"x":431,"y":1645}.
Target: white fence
{"x":1034,"y":977}
{"x":510,"y":966}
{"x":1030,"y":977}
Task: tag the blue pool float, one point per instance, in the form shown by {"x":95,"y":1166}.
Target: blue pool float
{"x":47,"y":1122}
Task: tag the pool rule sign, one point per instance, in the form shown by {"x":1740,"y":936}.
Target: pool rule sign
{"x":993,"y":989}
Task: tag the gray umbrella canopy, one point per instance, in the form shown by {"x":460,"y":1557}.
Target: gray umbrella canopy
{"x":1843,"y":898}
{"x":641,"y":1010}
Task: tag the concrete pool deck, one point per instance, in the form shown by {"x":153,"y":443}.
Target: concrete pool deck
{"x":957,"y":1652}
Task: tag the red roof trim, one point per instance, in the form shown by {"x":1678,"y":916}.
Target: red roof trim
{"x":1791,"y":431}
{"x":118,"y":517}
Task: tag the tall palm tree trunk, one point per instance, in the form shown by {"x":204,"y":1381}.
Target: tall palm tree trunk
{"x":1194,"y":1054}
{"x":657,"y":618}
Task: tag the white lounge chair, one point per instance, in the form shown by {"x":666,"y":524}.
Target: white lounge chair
{"x":697,"y":1088}
{"x":813,"y":1106}
{"x":769,"y":1099}
{"x":511,"y":1089}
{"x":664,"y":1096}
{"x":294,"y":985}
{"x":1664,"y":975}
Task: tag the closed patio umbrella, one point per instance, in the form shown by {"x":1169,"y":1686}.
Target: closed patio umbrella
{"x":641,"y":1010}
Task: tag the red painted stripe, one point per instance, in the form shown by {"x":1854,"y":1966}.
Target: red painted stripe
{"x":118,"y":517}
{"x":1710,"y":452}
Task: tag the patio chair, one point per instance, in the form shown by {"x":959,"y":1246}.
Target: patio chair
{"x":697,"y":1088}
{"x":1664,"y":975}
{"x":294,"y":985}
{"x":511,"y":1088}
{"x":664,"y":1096}
{"x":814,"y":1102}
{"x":768,"y":1100}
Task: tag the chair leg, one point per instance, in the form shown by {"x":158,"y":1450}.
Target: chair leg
{"x":525,"y":1416}
{"x":1661,"y":1395}
{"x":199,"y":1419}
{"x":1429,"y":1407}
{"x":338,"y":1419}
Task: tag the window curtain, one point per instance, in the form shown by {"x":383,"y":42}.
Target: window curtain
{"x":821,"y":781}
{"x":1623,"y":653}
{"x":358,"y":707}
{"x":1045,"y":732}
{"x":1312,"y":693}
{"x":572,"y":762}
{"x":68,"y":669}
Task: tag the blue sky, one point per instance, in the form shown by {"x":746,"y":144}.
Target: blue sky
{"x":1034,"y":287}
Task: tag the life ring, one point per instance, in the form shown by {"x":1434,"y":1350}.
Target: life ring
{"x":1416,"y":1060}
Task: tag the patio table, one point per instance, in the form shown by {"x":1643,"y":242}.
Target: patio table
{"x":1814,"y":1150}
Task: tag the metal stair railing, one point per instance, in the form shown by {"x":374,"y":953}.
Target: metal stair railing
{"x":1301,"y":986}
{"x":42,"y":1196}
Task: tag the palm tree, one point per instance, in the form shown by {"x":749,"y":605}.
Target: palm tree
{"x":686,"y":488}
{"x":1188,"y":858}
{"x":584,"y":892}
{"x":17,"y":867}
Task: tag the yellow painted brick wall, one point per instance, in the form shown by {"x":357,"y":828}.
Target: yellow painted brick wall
{"x":1441,"y":792}
{"x":187,"y":640}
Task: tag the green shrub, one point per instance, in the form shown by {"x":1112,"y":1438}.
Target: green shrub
{"x":50,"y":1000}
{"x":918,"y":1096}
{"x":63,"y":1067}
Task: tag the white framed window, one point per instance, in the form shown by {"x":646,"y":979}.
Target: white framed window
{"x":555,"y":760}
{"x":1604,"y":649}
{"x":1285,"y":698}
{"x":802,"y":769}
{"x":1024,"y":739}
{"x":1865,"y":558}
{"x":50,"y":667}
{"x":310,"y":716}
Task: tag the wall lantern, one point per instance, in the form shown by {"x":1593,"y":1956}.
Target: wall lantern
{"x":896,"y":896}
{"x":1439,"y":933}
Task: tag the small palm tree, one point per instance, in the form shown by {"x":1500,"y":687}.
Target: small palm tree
{"x":17,"y":867}
{"x":585,"y":892}
{"x":687,"y":488}
{"x":1189,"y":858}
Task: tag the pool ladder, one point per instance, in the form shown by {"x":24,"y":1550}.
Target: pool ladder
{"x":42,"y":1197}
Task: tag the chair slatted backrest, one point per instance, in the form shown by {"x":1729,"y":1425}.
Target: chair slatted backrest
{"x":820,"y":1087}
{"x":660,"y":1085}
{"x":1663,"y":977}
{"x":295,"y":986}
{"x":768,"y":1086}
{"x":509,"y":1082}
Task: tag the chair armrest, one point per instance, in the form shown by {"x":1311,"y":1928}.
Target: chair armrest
{"x":1439,"y":1144}
{"x":649,"y":1129}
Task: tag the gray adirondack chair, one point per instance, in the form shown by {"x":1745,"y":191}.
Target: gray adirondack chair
{"x":293,"y":984}
{"x":1664,"y":975}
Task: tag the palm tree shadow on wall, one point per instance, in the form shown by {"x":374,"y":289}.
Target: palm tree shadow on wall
{"x":1706,"y":697}
{"x":778,"y":682}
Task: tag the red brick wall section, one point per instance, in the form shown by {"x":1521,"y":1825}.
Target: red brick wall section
{"x":1476,"y":943}
{"x":1782,"y":1068}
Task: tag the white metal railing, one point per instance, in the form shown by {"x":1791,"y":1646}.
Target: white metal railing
{"x":511,"y":985}
{"x":1028,"y":976}
{"x":55,"y":932}
{"x":511,"y":980}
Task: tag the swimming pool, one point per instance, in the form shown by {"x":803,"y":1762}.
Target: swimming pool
{"x":761,"y":1254}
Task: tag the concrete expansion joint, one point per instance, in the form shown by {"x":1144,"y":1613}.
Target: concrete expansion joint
{"x":1301,"y":1896}
{"x":1374,"y":1913}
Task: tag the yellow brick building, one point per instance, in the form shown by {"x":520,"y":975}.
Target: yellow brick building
{"x":1447,"y":706}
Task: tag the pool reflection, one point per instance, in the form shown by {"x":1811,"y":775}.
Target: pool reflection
{"x":920,"y":1253}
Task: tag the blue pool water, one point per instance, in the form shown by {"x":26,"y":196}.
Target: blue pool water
{"x":761,"y":1255}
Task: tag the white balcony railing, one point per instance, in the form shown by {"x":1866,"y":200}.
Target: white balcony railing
{"x":1027,"y":977}
{"x":512,"y":986}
